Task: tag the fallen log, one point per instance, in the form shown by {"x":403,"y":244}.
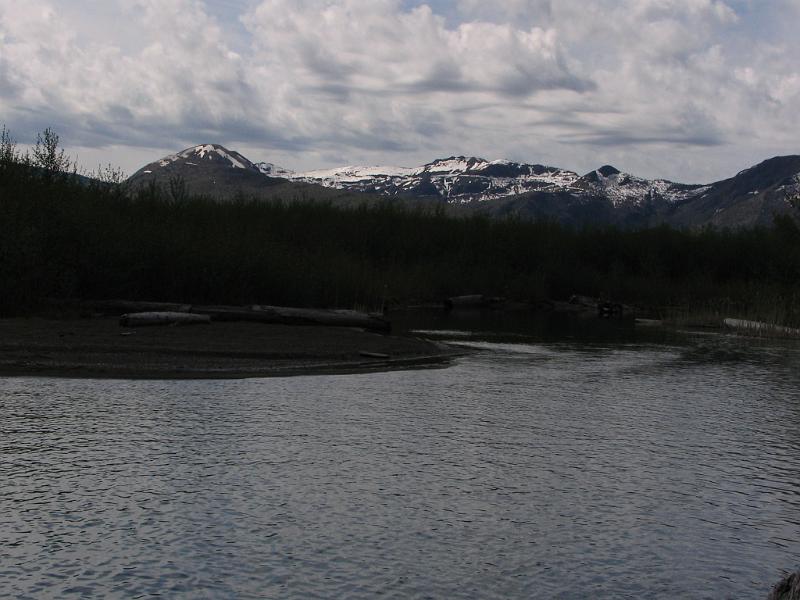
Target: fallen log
{"x":235,"y":313}
{"x":373,"y":354}
{"x":649,"y":322}
{"x":163,"y":318}
{"x":760,"y":328}
{"x":295,"y":316}
{"x":134,"y":306}
{"x":333,"y":317}
{"x":254,"y":314}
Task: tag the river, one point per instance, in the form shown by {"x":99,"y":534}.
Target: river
{"x":621,"y":466}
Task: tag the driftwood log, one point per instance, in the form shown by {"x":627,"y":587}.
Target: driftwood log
{"x":367,"y":354}
{"x":760,"y":328}
{"x":787,"y":589}
{"x":295,"y":316}
{"x":146,"y":319}
{"x":119,"y":307}
{"x":254,"y":314}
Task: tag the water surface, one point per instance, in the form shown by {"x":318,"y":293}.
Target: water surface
{"x":533,"y":468}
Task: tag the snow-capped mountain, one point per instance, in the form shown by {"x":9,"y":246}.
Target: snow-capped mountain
{"x":208,"y":169}
{"x":207,"y":152}
{"x":462,"y":180}
{"x":457,"y":179}
{"x":501,"y":187}
{"x":624,"y":189}
{"x":751,"y":197}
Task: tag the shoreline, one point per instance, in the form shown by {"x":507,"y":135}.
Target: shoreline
{"x":99,"y":348}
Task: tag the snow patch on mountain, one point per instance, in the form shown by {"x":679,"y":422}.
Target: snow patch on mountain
{"x":341,"y":176}
{"x":453,"y":164}
{"x":456,"y":179}
{"x":791,"y":189}
{"x":273,"y":170}
{"x":459,"y":179}
{"x":604,"y":195}
{"x":624,"y":189}
{"x":209,"y":152}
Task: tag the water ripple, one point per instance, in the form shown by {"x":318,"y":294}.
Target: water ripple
{"x":548,"y":471}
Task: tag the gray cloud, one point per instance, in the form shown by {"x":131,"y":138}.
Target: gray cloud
{"x":662,"y":85}
{"x":626,"y":138}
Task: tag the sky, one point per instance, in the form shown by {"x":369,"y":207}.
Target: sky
{"x":688,"y":90}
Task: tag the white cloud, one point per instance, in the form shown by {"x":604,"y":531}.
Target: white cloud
{"x":661,"y":87}
{"x":181,"y":73}
{"x":372,"y":46}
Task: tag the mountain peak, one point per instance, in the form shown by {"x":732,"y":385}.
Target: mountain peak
{"x":608,"y":171}
{"x":214,"y":152}
{"x":207,"y":169}
{"x":605,"y":195}
{"x":454,"y":164}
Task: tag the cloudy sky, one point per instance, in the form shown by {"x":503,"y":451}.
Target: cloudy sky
{"x":691,"y":90}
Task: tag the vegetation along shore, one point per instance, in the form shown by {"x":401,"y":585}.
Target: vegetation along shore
{"x":66,"y":236}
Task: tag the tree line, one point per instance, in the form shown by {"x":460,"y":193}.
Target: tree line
{"x":65,"y":236}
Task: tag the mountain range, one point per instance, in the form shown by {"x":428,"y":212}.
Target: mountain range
{"x":500,"y":188}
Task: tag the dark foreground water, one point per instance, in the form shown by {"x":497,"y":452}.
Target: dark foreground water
{"x":529,"y":470}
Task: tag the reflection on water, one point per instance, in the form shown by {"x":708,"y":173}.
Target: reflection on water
{"x":530,"y":469}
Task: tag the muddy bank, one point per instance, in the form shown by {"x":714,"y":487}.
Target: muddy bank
{"x":99,"y":347}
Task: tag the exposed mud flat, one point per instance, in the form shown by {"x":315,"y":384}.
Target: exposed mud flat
{"x":99,"y":347}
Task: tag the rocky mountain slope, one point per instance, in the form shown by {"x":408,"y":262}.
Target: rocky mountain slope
{"x":213,"y":171}
{"x":500,"y":187}
{"x":456,"y":179}
{"x":752,"y":197}
{"x":208,"y":169}
{"x":460,"y":180}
